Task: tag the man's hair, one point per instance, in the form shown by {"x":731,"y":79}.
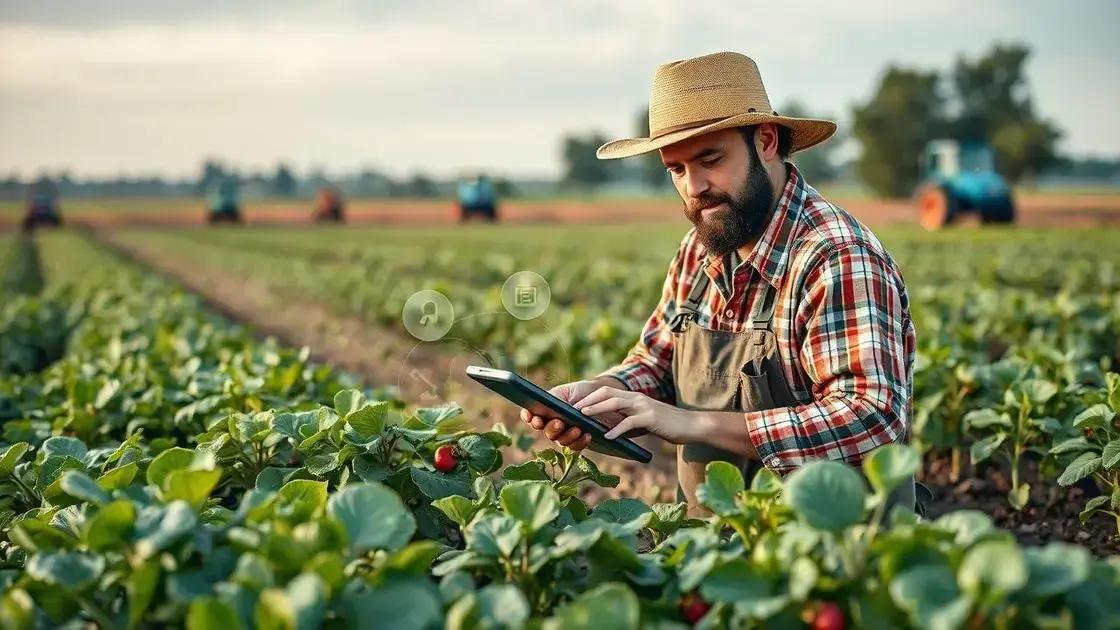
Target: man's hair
{"x":785,"y":139}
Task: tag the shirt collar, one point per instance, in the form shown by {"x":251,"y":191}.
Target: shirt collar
{"x":770,"y":254}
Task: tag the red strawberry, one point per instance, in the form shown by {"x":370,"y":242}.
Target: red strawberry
{"x":693,"y":607}
{"x":827,"y":616}
{"x":445,"y":459}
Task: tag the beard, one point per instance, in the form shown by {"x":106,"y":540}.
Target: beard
{"x":741,"y":220}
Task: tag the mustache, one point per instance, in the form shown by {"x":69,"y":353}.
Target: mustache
{"x":708,"y":200}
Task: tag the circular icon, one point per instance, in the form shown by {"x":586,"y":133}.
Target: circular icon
{"x":428,"y":315}
{"x":526,"y":295}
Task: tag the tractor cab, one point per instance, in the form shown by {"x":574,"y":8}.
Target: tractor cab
{"x":42,"y":205}
{"x":958,"y":179}
{"x":222,"y":203}
{"x":328,"y":205}
{"x":477,"y":199}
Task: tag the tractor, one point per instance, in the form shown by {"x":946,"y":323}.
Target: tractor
{"x":42,"y":205}
{"x":328,"y":205}
{"x":477,"y":199}
{"x":959,"y":179}
{"x":222,"y":204}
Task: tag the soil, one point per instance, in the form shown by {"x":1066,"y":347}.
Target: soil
{"x":386,"y":358}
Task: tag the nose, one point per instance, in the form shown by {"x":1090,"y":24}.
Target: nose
{"x":697,"y":182}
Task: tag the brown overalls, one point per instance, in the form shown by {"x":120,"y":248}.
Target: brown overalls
{"x":715,"y":370}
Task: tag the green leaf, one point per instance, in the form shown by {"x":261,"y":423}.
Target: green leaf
{"x":62,"y":446}
{"x":1037,"y":390}
{"x":986,"y":418}
{"x":167,"y":461}
{"x":459,"y":509}
{"x":1072,"y":445}
{"x":631,"y":513}
{"x":534,"y":503}
{"x":435,"y":416}
{"x":1018,"y":497}
{"x":929,"y":594}
{"x":734,"y":581}
{"x":303,"y":497}
{"x":593,"y":474}
{"x":890,"y":465}
{"x":71,"y":571}
{"x":400,"y":602}
{"x":369,"y":420}
{"x":766,"y":482}
{"x":481,"y":455}
{"x":299,"y":606}
{"x":609,"y":606}
{"x":292,"y":425}
{"x":531,"y":470}
{"x":156,"y":534}
{"x":437,"y":485}
{"x":374,"y":517}
{"x":498,"y":606}
{"x":11,"y":457}
{"x":983,"y":449}
{"x":493,"y":535}
{"x":1084,"y":465}
{"x":211,"y":613}
{"x":192,"y":486}
{"x":78,"y":485}
{"x":119,"y":477}
{"x":722,"y":484}
{"x":1110,"y":456}
{"x":1055,"y":568}
{"x":992,"y":570}
{"x":1092,"y":506}
{"x":111,"y":527}
{"x":348,"y":401}
{"x":140,"y":585}
{"x":828,"y":495}
{"x":1096,"y":417}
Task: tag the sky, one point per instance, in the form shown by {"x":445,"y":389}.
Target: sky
{"x":145,"y":87}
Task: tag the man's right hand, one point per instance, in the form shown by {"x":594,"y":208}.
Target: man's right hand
{"x":556,"y":430}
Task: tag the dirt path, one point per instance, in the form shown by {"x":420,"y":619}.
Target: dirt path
{"x":422,"y":373}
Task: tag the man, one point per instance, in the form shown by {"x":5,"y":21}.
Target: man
{"x":783,"y":333}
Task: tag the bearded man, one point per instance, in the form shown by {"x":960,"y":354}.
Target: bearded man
{"x":783,"y":332}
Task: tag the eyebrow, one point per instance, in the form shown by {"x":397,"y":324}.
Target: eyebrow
{"x":709,"y":152}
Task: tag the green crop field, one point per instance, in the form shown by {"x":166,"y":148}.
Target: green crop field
{"x":162,"y":466}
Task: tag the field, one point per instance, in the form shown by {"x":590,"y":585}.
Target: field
{"x":164,"y":465}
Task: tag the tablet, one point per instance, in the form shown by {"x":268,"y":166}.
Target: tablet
{"x":525,"y":394}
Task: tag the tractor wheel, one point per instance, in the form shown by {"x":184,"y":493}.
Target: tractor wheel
{"x":936,"y":207}
{"x":1000,"y":210}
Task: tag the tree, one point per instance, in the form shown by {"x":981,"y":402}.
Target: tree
{"x":581,"y":167}
{"x":420,"y":185}
{"x":283,"y":183}
{"x":906,"y":112}
{"x":995,"y":106}
{"x":815,"y":164}
{"x":652,"y":169}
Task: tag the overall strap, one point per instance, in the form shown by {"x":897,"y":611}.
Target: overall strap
{"x":763,"y":312}
{"x":687,"y":311}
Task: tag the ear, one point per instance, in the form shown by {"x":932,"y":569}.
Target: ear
{"x":766,"y":141}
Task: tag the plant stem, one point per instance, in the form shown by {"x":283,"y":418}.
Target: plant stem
{"x":567,"y":469}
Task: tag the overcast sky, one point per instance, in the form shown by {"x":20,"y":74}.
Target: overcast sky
{"x":144,"y":87}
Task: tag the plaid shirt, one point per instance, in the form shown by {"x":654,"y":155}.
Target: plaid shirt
{"x":842,"y":321}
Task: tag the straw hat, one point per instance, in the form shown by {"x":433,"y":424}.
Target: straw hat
{"x":697,"y":96}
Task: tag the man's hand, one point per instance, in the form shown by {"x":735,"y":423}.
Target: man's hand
{"x":555,"y":429}
{"x":641,"y":413}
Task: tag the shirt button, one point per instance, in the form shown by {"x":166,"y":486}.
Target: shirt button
{"x":729,"y":312}
{"x":775,"y":462}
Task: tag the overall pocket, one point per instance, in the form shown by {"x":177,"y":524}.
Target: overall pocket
{"x":754,"y":386}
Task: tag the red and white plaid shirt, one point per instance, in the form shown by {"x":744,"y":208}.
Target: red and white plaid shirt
{"x":842,"y":320}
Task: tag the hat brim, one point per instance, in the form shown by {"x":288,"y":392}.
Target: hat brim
{"x":806,"y":132}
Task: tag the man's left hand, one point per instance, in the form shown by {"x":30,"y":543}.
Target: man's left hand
{"x":641,"y":413}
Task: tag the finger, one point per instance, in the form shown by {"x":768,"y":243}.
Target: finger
{"x":526,"y":416}
{"x":553,"y":429}
{"x":569,"y":437}
{"x":622,"y":427}
{"x":602,"y":393}
{"x":538,"y":423}
{"x":583,"y":443}
{"x":610,"y":404}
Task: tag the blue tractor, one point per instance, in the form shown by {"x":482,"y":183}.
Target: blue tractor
{"x":477,"y":199}
{"x":960,"y":179}
{"x":222,"y":203}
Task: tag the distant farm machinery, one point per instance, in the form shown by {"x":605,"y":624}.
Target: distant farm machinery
{"x":960,"y":179}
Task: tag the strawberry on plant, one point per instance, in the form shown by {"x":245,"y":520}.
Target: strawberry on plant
{"x":445,"y":459}
{"x":693,"y":607}
{"x":824,"y":616}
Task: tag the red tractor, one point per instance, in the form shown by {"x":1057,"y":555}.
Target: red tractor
{"x":328,"y":205}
